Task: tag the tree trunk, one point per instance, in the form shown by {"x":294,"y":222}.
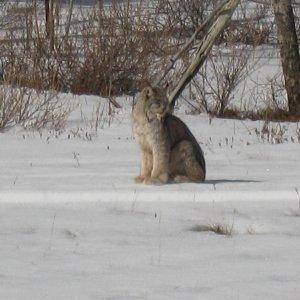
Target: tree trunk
{"x":49,"y":12}
{"x":101,"y":5}
{"x":289,"y":51}
{"x":47,"y":15}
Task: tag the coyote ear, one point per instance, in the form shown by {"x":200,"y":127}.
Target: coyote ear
{"x":148,"y":92}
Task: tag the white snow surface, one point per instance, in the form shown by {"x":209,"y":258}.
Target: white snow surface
{"x":74,"y":225}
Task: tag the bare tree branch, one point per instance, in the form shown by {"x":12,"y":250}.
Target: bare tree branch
{"x":204,"y":48}
{"x":212,"y":17}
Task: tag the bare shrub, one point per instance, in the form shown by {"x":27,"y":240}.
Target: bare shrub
{"x":30,"y":109}
{"x":214,"y":89}
{"x":250,"y":26}
{"x":184,"y":16}
{"x":102,"y":51}
{"x":223,"y":76}
{"x":99,"y":51}
{"x":116,"y":50}
{"x":272,"y":93}
{"x":270,"y":101}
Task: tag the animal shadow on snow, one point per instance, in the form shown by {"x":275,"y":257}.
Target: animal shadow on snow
{"x":218,"y":181}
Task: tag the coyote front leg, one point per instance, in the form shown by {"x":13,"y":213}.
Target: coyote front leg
{"x":146,"y":166}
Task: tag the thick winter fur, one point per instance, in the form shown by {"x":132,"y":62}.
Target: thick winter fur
{"x":169,"y":149}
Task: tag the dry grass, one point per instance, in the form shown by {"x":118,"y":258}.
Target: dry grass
{"x":251,"y":231}
{"x":31,"y":109}
{"x":218,"y":228}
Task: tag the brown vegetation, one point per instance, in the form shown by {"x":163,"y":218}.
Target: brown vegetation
{"x":98,"y":51}
{"x":218,"y":228}
{"x":115,"y":51}
{"x":31,"y":109}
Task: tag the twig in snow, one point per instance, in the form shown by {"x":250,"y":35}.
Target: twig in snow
{"x":298,"y":196}
{"x":52,"y":232}
{"x":76,"y":157}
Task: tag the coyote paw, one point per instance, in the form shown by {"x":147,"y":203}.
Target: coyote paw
{"x":161,"y":179}
{"x":139,"y":179}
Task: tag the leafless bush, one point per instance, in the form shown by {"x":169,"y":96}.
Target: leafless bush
{"x":184,"y":16}
{"x":117,"y":50}
{"x":215,"y":87}
{"x":30,"y":109}
{"x":274,"y":96}
{"x":270,"y":100}
{"x":99,"y":51}
{"x":103,"y":51}
{"x":249,"y":26}
{"x":231,"y":61}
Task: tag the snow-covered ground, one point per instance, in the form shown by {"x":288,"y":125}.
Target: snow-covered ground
{"x":74,"y":225}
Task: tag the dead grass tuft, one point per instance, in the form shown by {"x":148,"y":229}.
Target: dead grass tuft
{"x":218,"y":228}
{"x":251,"y":231}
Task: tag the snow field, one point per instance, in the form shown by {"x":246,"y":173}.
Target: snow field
{"x":74,"y":225}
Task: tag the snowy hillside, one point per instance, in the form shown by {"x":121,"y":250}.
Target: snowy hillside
{"x":74,"y":225}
